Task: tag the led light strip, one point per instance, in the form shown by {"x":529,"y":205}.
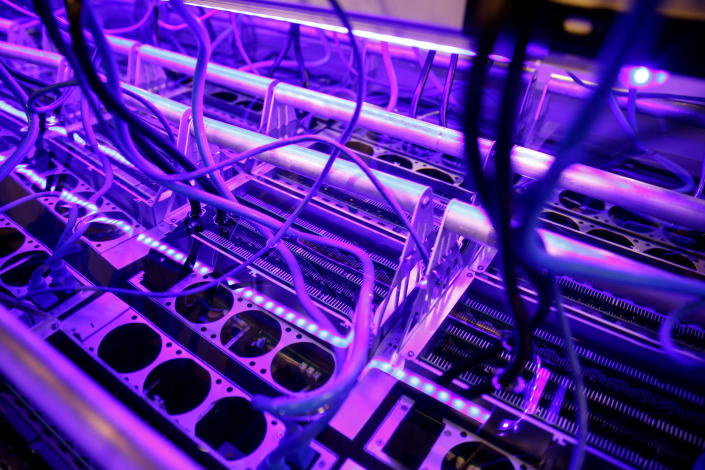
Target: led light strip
{"x":295,"y":318}
{"x":426,"y":45}
{"x":40,"y":181}
{"x":109,"y":151}
{"x":169,"y":251}
{"x":435,"y":391}
{"x":265,"y":302}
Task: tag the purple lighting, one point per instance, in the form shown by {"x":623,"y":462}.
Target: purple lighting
{"x":641,"y":76}
{"x":436,"y":392}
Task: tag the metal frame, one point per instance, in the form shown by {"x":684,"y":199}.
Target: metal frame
{"x":96,"y":422}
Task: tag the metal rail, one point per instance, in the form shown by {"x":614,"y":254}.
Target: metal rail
{"x":626,"y":192}
{"x":89,"y":416}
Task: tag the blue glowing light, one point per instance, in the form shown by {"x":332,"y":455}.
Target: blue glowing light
{"x":640,"y":76}
{"x":433,"y":390}
{"x":661,"y":77}
{"x":292,"y":317}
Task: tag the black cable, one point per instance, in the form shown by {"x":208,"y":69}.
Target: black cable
{"x":81,"y":63}
{"x":498,"y":200}
{"x":300,"y":56}
{"x":473,"y":110}
{"x":285,"y":49}
{"x":542,"y":283}
{"x":503,"y":184}
{"x":418,"y":92}
{"x":447,"y":88}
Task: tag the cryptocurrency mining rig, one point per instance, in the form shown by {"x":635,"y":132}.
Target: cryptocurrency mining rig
{"x":384,"y":235}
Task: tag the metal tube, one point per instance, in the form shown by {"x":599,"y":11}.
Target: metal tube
{"x":472,"y":222}
{"x":566,"y":86}
{"x":626,"y":192}
{"x":218,"y":74}
{"x":300,"y":160}
{"x":94,"y":420}
{"x":5,"y":25}
{"x":121,"y":45}
{"x":373,"y":118}
{"x":30,"y":54}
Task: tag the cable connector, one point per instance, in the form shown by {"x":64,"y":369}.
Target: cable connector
{"x":193,"y":224}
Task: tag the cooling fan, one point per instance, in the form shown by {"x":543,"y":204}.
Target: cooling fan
{"x":458,"y":449}
{"x":206,"y":306}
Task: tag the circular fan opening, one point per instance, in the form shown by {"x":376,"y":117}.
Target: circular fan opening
{"x":379,"y":137}
{"x":179,"y":385}
{"x":130,"y":347}
{"x":225,"y":96}
{"x":580,"y":203}
{"x":397,"y":160}
{"x":302,"y":366}
{"x":611,"y":237}
{"x":23,"y":266}
{"x":559,"y":219}
{"x":206,"y":306}
{"x":436,"y":174}
{"x":105,"y":232}
{"x":63,"y":207}
{"x":10,"y":241}
{"x":631,"y":220}
{"x":255,"y":106}
{"x":232,"y":427}
{"x":360,"y":147}
{"x":254,"y":333}
{"x":475,"y":456}
{"x":60,"y":181}
{"x":685,"y":238}
{"x":671,"y":257}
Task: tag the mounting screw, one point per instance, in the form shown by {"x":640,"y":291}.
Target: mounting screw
{"x":410,"y":354}
{"x":480,"y":268}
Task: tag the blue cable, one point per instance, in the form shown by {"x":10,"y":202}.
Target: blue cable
{"x":358,"y":351}
{"x":27,"y":198}
{"x":30,"y":138}
{"x":628,"y":125}
{"x":623,"y":36}
{"x":199,"y":84}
